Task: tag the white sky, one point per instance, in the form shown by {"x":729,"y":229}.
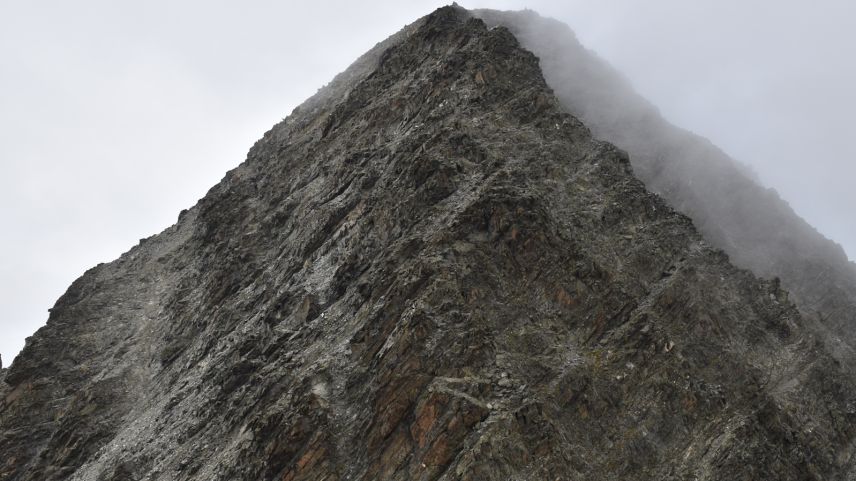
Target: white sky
{"x":114,"y":116}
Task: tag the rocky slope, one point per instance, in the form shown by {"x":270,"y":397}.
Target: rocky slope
{"x":752,"y":224}
{"x":428,"y":271}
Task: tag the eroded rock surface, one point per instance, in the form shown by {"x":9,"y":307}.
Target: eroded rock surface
{"x":757,"y":229}
{"x":428,"y":271}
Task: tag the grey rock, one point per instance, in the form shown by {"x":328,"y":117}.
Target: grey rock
{"x":338,"y":306}
{"x":752,"y":224}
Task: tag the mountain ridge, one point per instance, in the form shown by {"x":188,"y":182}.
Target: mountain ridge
{"x":429,"y":271}
{"x":757,"y":228}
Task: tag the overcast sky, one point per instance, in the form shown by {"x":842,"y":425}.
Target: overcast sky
{"x":114,"y":116}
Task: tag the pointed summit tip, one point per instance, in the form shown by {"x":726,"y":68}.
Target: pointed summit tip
{"x":453,"y":9}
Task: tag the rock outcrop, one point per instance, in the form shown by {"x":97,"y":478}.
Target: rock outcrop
{"x":428,"y":271}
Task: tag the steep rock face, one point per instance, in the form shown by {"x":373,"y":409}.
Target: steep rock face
{"x":428,"y":271}
{"x":752,"y":224}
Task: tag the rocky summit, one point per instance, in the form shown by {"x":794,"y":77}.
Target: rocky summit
{"x":431,"y":270}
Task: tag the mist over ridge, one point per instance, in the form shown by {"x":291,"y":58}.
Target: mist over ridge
{"x":765,"y":81}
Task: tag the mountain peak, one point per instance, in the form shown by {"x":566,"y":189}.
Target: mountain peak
{"x":430,"y":270}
